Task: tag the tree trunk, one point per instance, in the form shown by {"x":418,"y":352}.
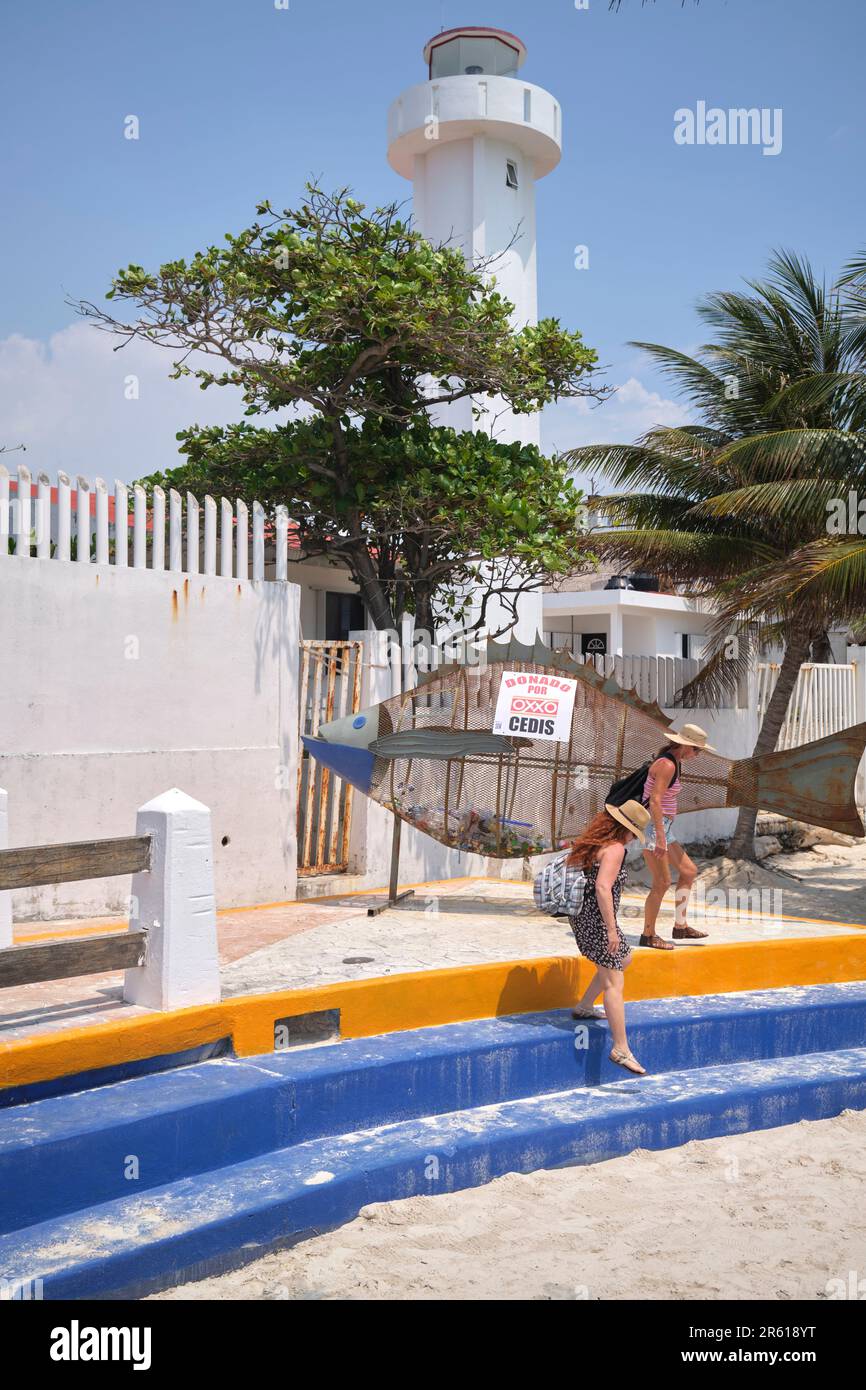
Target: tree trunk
{"x":423,"y":594}
{"x":742,"y":844}
{"x":822,"y":652}
{"x":372,"y":590}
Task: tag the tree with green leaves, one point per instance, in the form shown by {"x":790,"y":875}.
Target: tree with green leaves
{"x":358,"y":327}
{"x":751,"y":506}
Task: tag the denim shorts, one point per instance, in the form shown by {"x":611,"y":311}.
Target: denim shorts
{"x":670,"y":837}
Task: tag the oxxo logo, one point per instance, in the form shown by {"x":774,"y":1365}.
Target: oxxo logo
{"x":521,"y":706}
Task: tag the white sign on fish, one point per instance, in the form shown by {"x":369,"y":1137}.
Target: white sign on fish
{"x":535,"y":704}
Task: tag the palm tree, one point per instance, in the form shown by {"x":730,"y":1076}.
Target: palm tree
{"x":742,"y":506}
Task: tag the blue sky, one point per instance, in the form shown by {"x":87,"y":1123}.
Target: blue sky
{"x":238,"y":100}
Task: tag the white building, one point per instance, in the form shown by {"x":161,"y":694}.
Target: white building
{"x":607,"y":614}
{"x":474,"y":138}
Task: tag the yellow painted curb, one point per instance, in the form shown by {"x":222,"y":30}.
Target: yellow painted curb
{"x":404,"y":1001}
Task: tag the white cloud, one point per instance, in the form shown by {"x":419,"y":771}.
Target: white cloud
{"x":621,"y":419}
{"x":65,"y":400}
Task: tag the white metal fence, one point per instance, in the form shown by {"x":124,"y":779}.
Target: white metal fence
{"x":88,"y":523}
{"x":823,"y":701}
{"x":659,"y":678}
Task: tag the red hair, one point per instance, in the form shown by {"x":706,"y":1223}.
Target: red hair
{"x":602,"y":830}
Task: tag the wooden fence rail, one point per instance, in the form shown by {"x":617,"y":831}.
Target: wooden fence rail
{"x":60,"y":960}
{"x":169,"y":950}
{"x":31,"y":866}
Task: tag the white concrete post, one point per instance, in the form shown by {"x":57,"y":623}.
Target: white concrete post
{"x":615,"y":644}
{"x":64,"y":516}
{"x":82,"y":521}
{"x":226,"y":538}
{"x":210,"y":535}
{"x":281,"y":571}
{"x":23,"y":508}
{"x":6,"y":894}
{"x":103,"y":549}
{"x":43,"y":517}
{"x":174,"y":902}
{"x":242,"y":540}
{"x":157,"y":559}
{"x":121,"y":525}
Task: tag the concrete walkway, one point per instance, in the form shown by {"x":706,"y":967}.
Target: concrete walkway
{"x":453,"y":923}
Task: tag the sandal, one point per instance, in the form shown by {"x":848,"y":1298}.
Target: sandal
{"x":655,"y":941}
{"x":578,"y":1012}
{"x":624,"y":1058}
{"x":691,"y":933}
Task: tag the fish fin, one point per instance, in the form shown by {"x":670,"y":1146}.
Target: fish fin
{"x":442,"y":744}
{"x":512,"y":652}
{"x":814,"y":783}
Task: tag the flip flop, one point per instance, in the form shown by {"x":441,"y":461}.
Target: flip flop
{"x":625,"y":1059}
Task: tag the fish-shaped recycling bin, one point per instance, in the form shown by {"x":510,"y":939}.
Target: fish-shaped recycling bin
{"x":523,"y":774}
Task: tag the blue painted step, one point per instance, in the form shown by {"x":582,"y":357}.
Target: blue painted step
{"x":198,"y":1225}
{"x":69,"y":1152}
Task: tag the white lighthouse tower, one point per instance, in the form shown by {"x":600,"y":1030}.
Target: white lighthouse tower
{"x":474,"y":138}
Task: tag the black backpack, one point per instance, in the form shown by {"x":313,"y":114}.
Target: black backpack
{"x":630,"y":787}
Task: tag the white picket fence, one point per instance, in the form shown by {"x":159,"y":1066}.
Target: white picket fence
{"x":823,"y":701}
{"x":656,"y":678}
{"x":74,"y":521}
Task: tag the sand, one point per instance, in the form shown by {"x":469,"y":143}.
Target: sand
{"x":772,"y":1215}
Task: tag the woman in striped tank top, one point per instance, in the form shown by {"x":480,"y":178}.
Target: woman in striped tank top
{"x":660,"y":795}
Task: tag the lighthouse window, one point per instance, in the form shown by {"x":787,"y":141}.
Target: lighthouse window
{"x":510,"y":174}
{"x":527,"y":104}
{"x":473,"y":55}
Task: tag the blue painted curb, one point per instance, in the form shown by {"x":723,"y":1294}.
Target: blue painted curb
{"x":197,"y":1226}
{"x":11,"y":1096}
{"x":70,"y":1152}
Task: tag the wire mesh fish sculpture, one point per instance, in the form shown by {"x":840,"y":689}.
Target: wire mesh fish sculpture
{"x":432,"y":757}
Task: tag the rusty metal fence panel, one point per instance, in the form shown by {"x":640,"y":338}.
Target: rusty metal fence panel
{"x":330,"y":687}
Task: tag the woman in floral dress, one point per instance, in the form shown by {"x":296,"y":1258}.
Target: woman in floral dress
{"x":600,"y":852}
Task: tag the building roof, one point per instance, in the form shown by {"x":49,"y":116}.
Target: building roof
{"x":476,"y":31}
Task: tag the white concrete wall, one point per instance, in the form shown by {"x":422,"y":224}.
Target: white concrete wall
{"x":639,"y":635}
{"x":647,"y":631}
{"x":118,"y":683}
{"x":669,"y":626}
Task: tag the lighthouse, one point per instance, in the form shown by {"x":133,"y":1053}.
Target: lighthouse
{"x":473,"y":139}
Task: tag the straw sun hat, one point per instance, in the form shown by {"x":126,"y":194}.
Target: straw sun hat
{"x":693,"y":736}
{"x":633,"y":816}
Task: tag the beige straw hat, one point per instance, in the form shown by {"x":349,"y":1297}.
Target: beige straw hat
{"x":632,"y":815}
{"x":693,"y":736}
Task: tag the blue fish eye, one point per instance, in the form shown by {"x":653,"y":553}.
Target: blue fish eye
{"x":359,"y":722}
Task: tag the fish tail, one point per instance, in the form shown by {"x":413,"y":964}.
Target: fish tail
{"x":814,"y":783}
